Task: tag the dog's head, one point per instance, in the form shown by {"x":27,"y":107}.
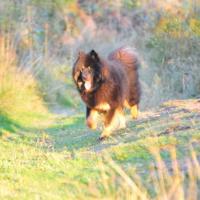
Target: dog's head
{"x":87,"y":72}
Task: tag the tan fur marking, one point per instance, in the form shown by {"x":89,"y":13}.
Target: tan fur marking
{"x":79,"y":84}
{"x":134,"y":111}
{"x":103,"y":106}
{"x":126,"y":104}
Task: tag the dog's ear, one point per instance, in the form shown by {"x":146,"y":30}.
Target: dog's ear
{"x":76,"y":67}
{"x":94,"y":55}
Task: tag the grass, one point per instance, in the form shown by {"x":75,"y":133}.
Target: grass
{"x":57,"y":157}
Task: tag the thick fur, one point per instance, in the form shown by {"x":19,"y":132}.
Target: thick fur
{"x":114,"y":85}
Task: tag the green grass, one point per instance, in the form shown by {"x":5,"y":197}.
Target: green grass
{"x":56,"y":157}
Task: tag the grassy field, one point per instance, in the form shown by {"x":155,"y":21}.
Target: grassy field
{"x":58,"y":157}
{"x":44,"y":155}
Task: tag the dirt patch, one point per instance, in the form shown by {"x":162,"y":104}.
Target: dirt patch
{"x":192,"y":105}
{"x":174,"y":129}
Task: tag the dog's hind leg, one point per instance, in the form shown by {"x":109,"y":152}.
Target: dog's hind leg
{"x":133,"y":108}
{"x":134,"y":111}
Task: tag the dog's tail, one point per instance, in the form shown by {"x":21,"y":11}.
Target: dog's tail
{"x":127,"y":56}
{"x":131,"y":62}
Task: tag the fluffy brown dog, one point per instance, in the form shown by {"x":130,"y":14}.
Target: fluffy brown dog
{"x":107,"y":86}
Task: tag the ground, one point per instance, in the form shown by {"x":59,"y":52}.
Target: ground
{"x":58,"y":157}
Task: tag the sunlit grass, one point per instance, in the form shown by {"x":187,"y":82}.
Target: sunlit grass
{"x":64,"y":160}
{"x":28,"y":172}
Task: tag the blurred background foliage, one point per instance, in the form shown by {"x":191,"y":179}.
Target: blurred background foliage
{"x":39,"y":41}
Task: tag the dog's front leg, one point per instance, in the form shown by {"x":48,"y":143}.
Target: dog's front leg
{"x":110,"y":123}
{"x":91,"y":118}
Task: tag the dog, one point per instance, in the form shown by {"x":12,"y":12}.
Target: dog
{"x":107,"y":86}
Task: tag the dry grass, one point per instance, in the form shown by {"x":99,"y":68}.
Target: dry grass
{"x":18,"y":89}
{"x":163,"y":182}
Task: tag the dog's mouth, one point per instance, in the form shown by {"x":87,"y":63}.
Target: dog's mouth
{"x":88,"y":85}
{"x":85,"y":85}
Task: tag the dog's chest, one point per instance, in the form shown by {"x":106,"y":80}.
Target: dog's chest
{"x":96,"y":103}
{"x":102,"y":107}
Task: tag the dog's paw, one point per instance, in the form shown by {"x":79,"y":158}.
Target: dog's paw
{"x":91,"y":124}
{"x":105,"y":134}
{"x":122,"y":123}
{"x":102,"y":138}
{"x":122,"y":126}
